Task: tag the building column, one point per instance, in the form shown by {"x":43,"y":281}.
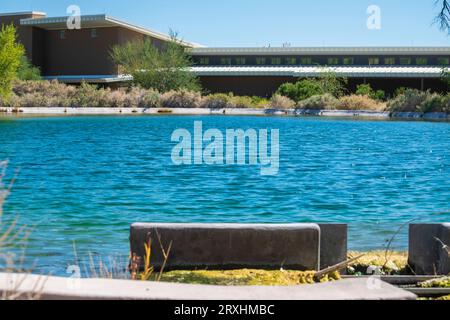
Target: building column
{"x":422,"y":84}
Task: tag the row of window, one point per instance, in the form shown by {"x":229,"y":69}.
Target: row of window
{"x":373,"y":61}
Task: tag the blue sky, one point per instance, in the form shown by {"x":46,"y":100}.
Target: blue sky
{"x":263,"y":22}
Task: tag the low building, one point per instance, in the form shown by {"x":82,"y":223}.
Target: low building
{"x":84,"y":55}
{"x":80,"y":54}
{"x":260,"y":71}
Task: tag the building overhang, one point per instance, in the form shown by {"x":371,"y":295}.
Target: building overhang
{"x":368,"y":51}
{"x":90,"y":78}
{"x":307,"y":72}
{"x":96,"y":21}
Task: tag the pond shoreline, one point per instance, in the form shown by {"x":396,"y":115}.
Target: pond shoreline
{"x":364,"y":114}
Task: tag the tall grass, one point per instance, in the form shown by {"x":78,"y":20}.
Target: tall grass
{"x":12,"y":235}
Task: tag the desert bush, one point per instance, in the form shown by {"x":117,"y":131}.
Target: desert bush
{"x":152,"y":99}
{"x":280,"y":102}
{"x":433,"y":103}
{"x":181,"y":99}
{"x":242,"y":102}
{"x":410,"y":100}
{"x":324,"y":101}
{"x":216,"y":101}
{"x":366,"y":90}
{"x":88,"y":95}
{"x":301,"y":90}
{"x":360,"y":102}
{"x":42,"y":94}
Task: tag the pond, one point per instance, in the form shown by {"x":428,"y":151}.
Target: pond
{"x":84,"y":180}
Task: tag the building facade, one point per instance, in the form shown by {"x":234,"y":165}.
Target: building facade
{"x":84,"y":55}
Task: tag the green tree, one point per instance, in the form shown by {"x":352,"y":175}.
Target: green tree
{"x":333,"y":84}
{"x":11,"y":54}
{"x":27,"y":71}
{"x":162,"y":69}
{"x":366,"y":90}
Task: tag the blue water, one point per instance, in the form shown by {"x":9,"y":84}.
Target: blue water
{"x":84,"y":180}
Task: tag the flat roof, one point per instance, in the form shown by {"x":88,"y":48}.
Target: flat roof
{"x":311,"y":71}
{"x":323,"y":51}
{"x":23,"y":13}
{"x":95,"y":21}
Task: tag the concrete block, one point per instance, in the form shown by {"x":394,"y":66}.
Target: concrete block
{"x":427,"y":256}
{"x":333,"y":244}
{"x":229,"y":246}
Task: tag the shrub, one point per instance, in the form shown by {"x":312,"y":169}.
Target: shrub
{"x":366,"y":90}
{"x":301,"y":90}
{"x":88,"y":95}
{"x":181,"y":99}
{"x":359,"y":102}
{"x":363,"y":90}
{"x":152,"y":99}
{"x":216,"y":101}
{"x":258,"y":102}
{"x":324,"y":101}
{"x":410,"y":100}
{"x":241,"y":102}
{"x":281,"y":102}
{"x":436,"y":103}
{"x":27,"y":71}
{"x":42,"y":94}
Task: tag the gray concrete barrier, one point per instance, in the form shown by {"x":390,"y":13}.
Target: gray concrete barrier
{"x":228,"y":246}
{"x":427,"y":254}
{"x":333,"y":244}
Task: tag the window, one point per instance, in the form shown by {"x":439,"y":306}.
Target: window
{"x":443,"y":61}
{"x":204,"y":61}
{"x":240,"y":61}
{"x":348,"y":61}
{"x":291,"y":61}
{"x":374,"y":61}
{"x":333,"y":61}
{"x":276,"y":61}
{"x":421,"y":61}
{"x":225,"y":61}
{"x":94,"y":33}
{"x":260,"y":61}
{"x":306,"y":61}
{"x":405,"y":61}
{"x":389,"y":61}
{"x":62,"y":34}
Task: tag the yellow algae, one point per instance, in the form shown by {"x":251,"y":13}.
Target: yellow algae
{"x":245,"y":277}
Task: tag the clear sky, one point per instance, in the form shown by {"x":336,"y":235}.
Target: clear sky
{"x":263,"y":22}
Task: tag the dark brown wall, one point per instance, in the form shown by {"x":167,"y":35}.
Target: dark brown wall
{"x":79,"y":53}
{"x":266,"y":86}
{"x":251,"y":86}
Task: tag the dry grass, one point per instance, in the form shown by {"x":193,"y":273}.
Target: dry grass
{"x":357,"y":102}
{"x":390,"y":262}
{"x":246,"y":277}
{"x":14,"y":235}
